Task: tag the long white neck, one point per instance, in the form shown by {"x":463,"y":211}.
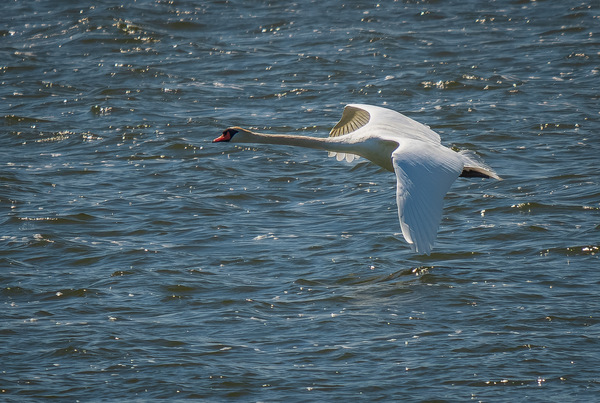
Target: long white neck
{"x":286,"y":139}
{"x":327,"y":143}
{"x":377,"y":151}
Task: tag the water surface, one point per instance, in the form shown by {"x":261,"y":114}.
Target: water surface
{"x":138,"y":260}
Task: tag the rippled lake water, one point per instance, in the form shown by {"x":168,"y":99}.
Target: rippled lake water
{"x":138,"y":260}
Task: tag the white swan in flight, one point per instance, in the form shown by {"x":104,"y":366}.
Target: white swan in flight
{"x":424,"y":168}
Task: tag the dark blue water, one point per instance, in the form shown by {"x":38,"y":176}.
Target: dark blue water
{"x":138,"y":260}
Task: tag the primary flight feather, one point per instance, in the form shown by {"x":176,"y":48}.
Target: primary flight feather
{"x":424,"y":168}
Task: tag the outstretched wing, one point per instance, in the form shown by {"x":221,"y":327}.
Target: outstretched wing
{"x":352,"y":119}
{"x":424,"y":173}
{"x":378,"y":119}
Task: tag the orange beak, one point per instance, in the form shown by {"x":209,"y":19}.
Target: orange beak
{"x":223,"y":137}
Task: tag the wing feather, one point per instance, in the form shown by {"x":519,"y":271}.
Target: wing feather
{"x":388,"y":122}
{"x":352,"y":119}
{"x":424,"y":174}
{"x":375,"y":121}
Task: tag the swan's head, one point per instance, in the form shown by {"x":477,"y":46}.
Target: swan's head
{"x":230,"y":132}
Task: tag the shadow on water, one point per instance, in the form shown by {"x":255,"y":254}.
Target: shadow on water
{"x":374,"y":279}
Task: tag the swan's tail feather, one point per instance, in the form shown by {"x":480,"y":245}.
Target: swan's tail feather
{"x":474,"y":167}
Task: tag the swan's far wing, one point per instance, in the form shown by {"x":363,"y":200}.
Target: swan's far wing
{"x":424,"y":173}
{"x":383,"y":121}
{"x":352,"y":119}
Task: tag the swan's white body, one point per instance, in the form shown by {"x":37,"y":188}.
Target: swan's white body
{"x":424,"y":168}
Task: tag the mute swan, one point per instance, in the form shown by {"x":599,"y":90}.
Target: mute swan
{"x":424,"y":168}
